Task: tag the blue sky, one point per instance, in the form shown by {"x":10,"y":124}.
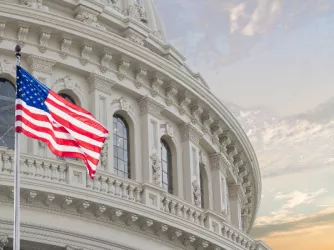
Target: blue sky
{"x":271,"y":62}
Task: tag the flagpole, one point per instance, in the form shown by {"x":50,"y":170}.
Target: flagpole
{"x":16,"y":234}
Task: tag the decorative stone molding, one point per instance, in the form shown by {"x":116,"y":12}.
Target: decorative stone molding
{"x":184,"y":101}
{"x":6,"y":67}
{"x":67,"y":82}
{"x":145,"y":224}
{"x":140,"y":73}
{"x":136,"y":12}
{"x":99,"y":210}
{"x":188,"y":239}
{"x":207,"y":120}
{"x":72,"y":248}
{"x":44,"y":37}
{"x":216,"y":130}
{"x":167,"y":129}
{"x":122,"y":67}
{"x":2,"y":29}
{"x":156,"y":167}
{"x":3,"y":240}
{"x":82,"y":206}
{"x":189,"y":132}
{"x":30,"y":195}
{"x":150,"y":106}
{"x":40,"y":64}
{"x":232,"y":151}
{"x":66,"y":202}
{"x":217,"y":162}
{"x":175,"y":234}
{"x":202,"y":245}
{"x":22,"y":33}
{"x":131,"y":219}
{"x":156,"y":82}
{"x":65,"y":46}
{"x":48,"y":199}
{"x":123,"y":105}
{"x":104,"y":156}
{"x":170,"y":95}
{"x":85,"y":52}
{"x":116,"y":214}
{"x":88,"y":16}
{"x":160,"y":229}
{"x":105,"y":59}
{"x":197,"y":193}
{"x":101,"y":83}
{"x":134,"y":36}
{"x":36,"y":4}
{"x":196,"y":109}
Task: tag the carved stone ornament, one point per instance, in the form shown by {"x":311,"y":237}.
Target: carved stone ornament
{"x":105,"y":60}
{"x":155,"y":85}
{"x":6,"y":67}
{"x":123,"y":104}
{"x":170,"y":95}
{"x":197,"y":193}
{"x":189,"y":132}
{"x":88,"y":18}
{"x":44,"y":37}
{"x":156,"y":167}
{"x":85,"y":53}
{"x":66,"y":82}
{"x":65,"y":46}
{"x":168,"y":130}
{"x":100,"y":83}
{"x":36,"y":4}
{"x":150,"y":106}
{"x":140,"y":73}
{"x":22,"y":33}
{"x":137,"y":12}
{"x":122,"y":67}
{"x":3,"y":240}
{"x":41,"y":64}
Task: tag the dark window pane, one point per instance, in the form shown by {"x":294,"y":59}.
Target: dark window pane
{"x":67,"y":97}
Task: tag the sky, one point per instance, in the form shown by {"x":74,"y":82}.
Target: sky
{"x":271,"y":62}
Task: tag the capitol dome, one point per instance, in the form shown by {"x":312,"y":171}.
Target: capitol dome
{"x":176,"y":172}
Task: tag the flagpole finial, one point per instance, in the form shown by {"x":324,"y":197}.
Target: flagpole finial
{"x":17,"y":48}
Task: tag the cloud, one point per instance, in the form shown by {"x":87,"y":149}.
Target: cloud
{"x":263,"y":17}
{"x":321,"y":218}
{"x":296,"y":198}
{"x":236,"y":13}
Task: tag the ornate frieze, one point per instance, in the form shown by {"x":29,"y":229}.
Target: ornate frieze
{"x":123,"y":105}
{"x":30,"y":195}
{"x":40,"y":64}
{"x":202,"y":245}
{"x":101,"y":83}
{"x":188,"y":239}
{"x":217,"y":162}
{"x":82,"y":206}
{"x":136,"y":38}
{"x":216,"y":130}
{"x":189,"y":132}
{"x":36,"y":4}
{"x":232,"y":151}
{"x":150,"y":106}
{"x":67,"y":82}
{"x":105,"y":59}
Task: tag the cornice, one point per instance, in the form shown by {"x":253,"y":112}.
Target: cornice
{"x":66,"y":24}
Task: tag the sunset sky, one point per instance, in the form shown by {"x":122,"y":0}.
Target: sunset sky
{"x":271,"y":62}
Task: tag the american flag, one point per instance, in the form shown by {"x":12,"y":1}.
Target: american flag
{"x":68,"y":130}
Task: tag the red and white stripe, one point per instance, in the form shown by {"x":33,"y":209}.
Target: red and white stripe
{"x":68,"y":130}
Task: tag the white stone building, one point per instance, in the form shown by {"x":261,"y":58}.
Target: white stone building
{"x":177,"y":171}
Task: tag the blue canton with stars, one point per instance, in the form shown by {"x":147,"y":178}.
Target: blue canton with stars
{"x":30,"y":90}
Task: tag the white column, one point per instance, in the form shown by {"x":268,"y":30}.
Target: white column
{"x":150,"y":143}
{"x":235,"y":197}
{"x":219,"y":186}
{"x":190,"y":138}
{"x":99,"y":97}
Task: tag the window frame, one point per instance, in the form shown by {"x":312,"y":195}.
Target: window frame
{"x":169,"y":162}
{"x":128,"y":162}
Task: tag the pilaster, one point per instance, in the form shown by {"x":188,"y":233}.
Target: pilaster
{"x":235,"y":198}
{"x":190,"y":138}
{"x":219,"y":186}
{"x":99,"y":96}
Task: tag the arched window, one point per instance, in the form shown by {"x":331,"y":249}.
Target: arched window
{"x":121,"y":146}
{"x":7,"y":113}
{"x":67,"y":97}
{"x":166,"y":162}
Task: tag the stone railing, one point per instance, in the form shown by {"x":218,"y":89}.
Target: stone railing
{"x":64,"y":172}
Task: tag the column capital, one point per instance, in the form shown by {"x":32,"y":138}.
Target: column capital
{"x":219,"y":161}
{"x":149,"y":106}
{"x":101,"y":83}
{"x":190,"y":133}
{"x":40,"y":64}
